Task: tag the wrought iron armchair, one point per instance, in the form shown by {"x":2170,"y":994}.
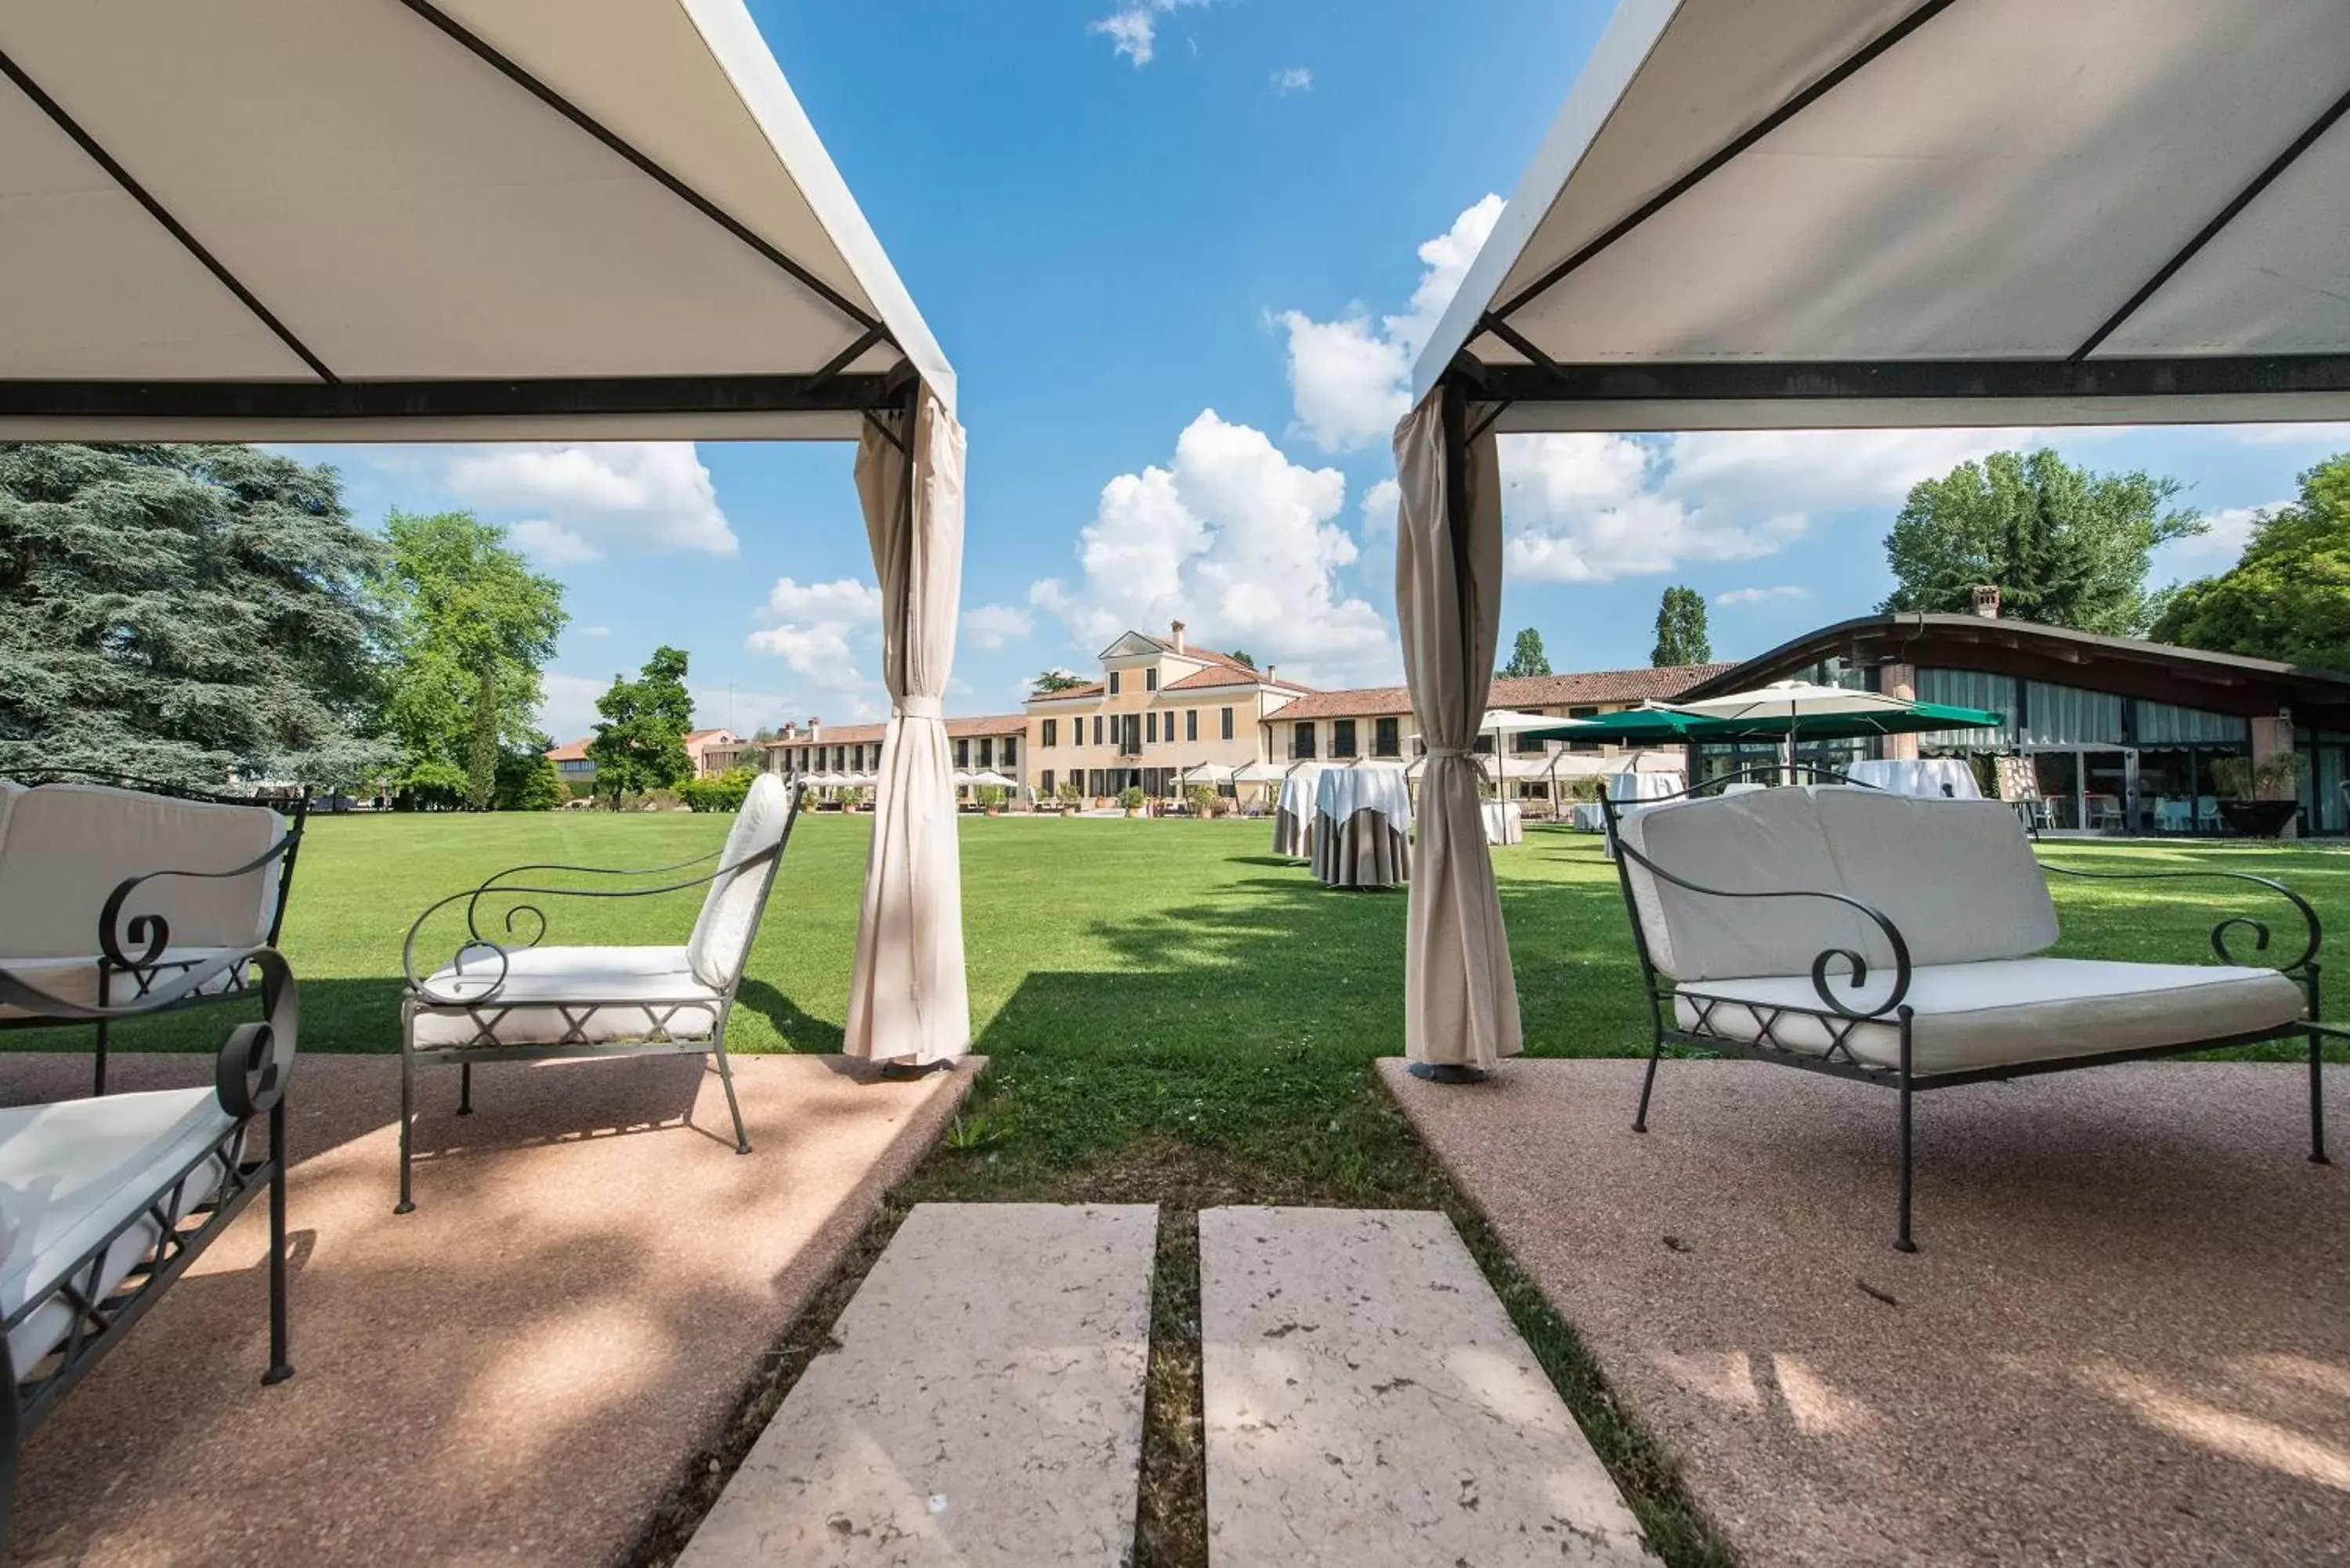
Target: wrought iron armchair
{"x":107,"y":1201}
{"x":514,"y":1000}
{"x":128,"y":967}
{"x":1827,"y":1037}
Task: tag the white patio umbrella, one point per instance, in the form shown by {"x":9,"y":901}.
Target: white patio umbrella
{"x":1257,"y":772}
{"x":988,"y":777}
{"x":1510,"y":721}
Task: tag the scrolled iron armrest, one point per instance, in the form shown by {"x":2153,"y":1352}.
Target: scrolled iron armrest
{"x":1858,"y":964}
{"x":2310,"y":923}
{"x":421,"y":986}
{"x":496,"y":883}
{"x":18,"y":991}
{"x":256,"y":1059}
{"x":152,"y":933}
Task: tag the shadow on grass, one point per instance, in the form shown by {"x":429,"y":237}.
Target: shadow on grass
{"x":800,"y":1031}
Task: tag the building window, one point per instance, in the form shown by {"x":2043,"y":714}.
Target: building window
{"x":1484,"y":746}
{"x":1097,"y":718}
{"x":1052,"y":732}
{"x":987,"y":753}
{"x":1387,"y":738}
{"x":1342,"y":737}
{"x":1134,"y":734}
{"x":1524,"y":741}
{"x":1228,"y":723}
{"x":1583,"y":713}
{"x":1151,"y":722}
{"x":1191,"y":723}
{"x":1011,"y":751}
{"x":1113,"y":682}
{"x":1301,"y":745}
{"x":1150,"y":679}
{"x":963,"y":753}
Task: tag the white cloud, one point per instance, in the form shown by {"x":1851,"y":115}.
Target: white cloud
{"x":1133,"y":29}
{"x":1762,"y":595}
{"x":566,"y":707}
{"x":1350,"y":378}
{"x":2311,"y":434}
{"x":1380,"y":503}
{"x":825,"y":632}
{"x":990,"y":627}
{"x":1237,"y":541}
{"x":552,"y":543}
{"x":1595,"y":507}
{"x":2215,"y":551}
{"x":1296,"y":79}
{"x":594,"y":630}
{"x":607,"y":497}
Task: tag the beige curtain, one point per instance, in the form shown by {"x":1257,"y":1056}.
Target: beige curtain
{"x":907,"y":998}
{"x":1461,"y":1000}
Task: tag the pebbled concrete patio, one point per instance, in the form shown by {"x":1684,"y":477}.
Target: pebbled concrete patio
{"x":519,"y":1371}
{"x":2125,"y":1341}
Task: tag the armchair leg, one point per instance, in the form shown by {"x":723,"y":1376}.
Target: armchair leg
{"x":1647,"y":1085}
{"x":1902,"y":1240}
{"x":465,"y":1088}
{"x":726,"y":1077}
{"x":280,"y":1367}
{"x":406,"y":1115}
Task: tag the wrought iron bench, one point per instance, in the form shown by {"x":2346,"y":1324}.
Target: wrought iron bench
{"x":1895,"y":940}
{"x":105,"y":1202}
{"x":514,"y":1000}
{"x":73,"y":844}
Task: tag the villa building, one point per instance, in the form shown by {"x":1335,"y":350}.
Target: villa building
{"x":712,"y":751}
{"x":991,"y":742}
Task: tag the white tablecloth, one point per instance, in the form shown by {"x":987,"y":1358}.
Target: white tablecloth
{"x":1587,"y":817}
{"x":1935,"y":778}
{"x":1293,"y":813}
{"x":1504,"y":822}
{"x":1624,"y":788}
{"x":1342,"y":791}
{"x":1297,"y":789}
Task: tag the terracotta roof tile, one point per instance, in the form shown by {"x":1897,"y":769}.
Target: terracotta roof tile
{"x":1661,"y":684}
{"x":569,"y":752}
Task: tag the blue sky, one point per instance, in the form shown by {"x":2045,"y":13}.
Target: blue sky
{"x":1178,"y":252}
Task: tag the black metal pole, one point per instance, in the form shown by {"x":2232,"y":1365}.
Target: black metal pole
{"x":1901,"y":1239}
{"x":280,"y":1367}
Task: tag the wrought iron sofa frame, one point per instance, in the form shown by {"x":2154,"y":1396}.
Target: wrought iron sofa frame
{"x":250,"y":1076}
{"x":1839,"y":1018}
{"x":577,"y":1012}
{"x":116,"y":969}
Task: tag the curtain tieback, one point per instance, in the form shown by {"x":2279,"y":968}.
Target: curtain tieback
{"x":922,"y":707}
{"x":1434,"y":752}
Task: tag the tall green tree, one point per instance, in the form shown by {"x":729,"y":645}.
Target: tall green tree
{"x":640,"y":745}
{"x":1052,"y":680}
{"x":1681,"y":637}
{"x":2063,"y":545}
{"x":1526,"y":656}
{"x":184,"y":612}
{"x":475,"y":627}
{"x":2288,"y":597}
{"x":1241,"y":658}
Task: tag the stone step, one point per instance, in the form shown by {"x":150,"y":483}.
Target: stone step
{"x":1369,"y":1403}
{"x":984,"y":1410}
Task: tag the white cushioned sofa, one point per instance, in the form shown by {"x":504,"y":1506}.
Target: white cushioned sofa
{"x":503,"y":999}
{"x":1903,"y":941}
{"x":186,"y":880}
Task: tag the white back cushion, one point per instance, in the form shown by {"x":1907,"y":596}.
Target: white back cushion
{"x":1956,"y":877}
{"x":1768,"y":840}
{"x":722,"y":937}
{"x":69,"y":845}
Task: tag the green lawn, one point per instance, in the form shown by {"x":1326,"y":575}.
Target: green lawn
{"x":1173,"y":1016}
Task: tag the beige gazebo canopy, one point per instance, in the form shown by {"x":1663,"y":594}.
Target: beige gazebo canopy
{"x":492,"y":220}
{"x":1759,"y":214}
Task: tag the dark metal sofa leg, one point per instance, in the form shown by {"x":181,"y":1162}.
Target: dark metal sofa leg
{"x":2317,"y":1099}
{"x":1647,"y":1085}
{"x":280,"y":1367}
{"x":1902,"y":1240}
{"x":105,"y":1028}
{"x":726,"y":1078}
{"x":407,"y":1116}
{"x":465,"y":1088}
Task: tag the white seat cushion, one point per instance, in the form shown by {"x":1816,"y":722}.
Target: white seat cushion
{"x":69,"y":846}
{"x":527,"y":1010}
{"x":2008,"y":1011}
{"x":730,"y":910}
{"x":76,"y":978}
{"x":72,"y":1171}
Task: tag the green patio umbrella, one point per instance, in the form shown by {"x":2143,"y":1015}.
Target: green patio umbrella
{"x":1654,"y":726}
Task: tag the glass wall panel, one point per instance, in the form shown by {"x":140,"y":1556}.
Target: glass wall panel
{"x":1968,"y":688}
{"x":2069,"y":716}
{"x":2163,"y":724}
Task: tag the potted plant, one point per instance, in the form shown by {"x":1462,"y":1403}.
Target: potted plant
{"x":1068,"y":795}
{"x":1204,"y":801}
{"x":2254,"y":798}
{"x":1130,"y":798}
{"x":991,"y":799}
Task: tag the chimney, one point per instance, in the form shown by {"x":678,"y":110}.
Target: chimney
{"x":1272,"y":672}
{"x":1176,"y":628}
{"x":1986,"y":600}
{"x":816,"y":729}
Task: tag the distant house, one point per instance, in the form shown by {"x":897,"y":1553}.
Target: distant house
{"x":711,"y":751}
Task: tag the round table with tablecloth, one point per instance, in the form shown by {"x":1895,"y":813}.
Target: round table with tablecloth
{"x":1292,"y":813}
{"x":1931,"y":778}
{"x":1362,"y":827}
